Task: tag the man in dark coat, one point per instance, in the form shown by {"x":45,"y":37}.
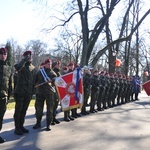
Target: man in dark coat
{"x":23,"y":91}
{"x":5,"y":85}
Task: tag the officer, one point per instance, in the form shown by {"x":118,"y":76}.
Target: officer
{"x":5,"y":85}
{"x":56,"y":69}
{"x":45,"y":91}
{"x":23,"y":91}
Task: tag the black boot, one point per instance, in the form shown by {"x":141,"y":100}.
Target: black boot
{"x":48,"y":128}
{"x":66,"y":116}
{"x":2,"y":140}
{"x":18,"y":131}
{"x":56,"y":121}
{"x":38,"y":124}
{"x":24,"y":130}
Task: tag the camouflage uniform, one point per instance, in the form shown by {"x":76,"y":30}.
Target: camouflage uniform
{"x":56,"y":99}
{"x":87,"y":91}
{"x":94,"y":92}
{"x":5,"y":90}
{"x":44,"y":93}
{"x":23,"y":93}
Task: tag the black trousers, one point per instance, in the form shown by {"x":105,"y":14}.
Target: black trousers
{"x":2,"y":110}
{"x":21,"y":106}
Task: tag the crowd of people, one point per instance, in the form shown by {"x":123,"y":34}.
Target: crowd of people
{"x":101,"y":90}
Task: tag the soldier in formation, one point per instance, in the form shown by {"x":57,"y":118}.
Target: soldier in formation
{"x":5,"y":85}
{"x":23,"y":91}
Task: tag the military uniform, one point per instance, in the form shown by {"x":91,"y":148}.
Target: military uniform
{"x":5,"y":87}
{"x":56,"y":98}
{"x":44,"y":93}
{"x":87,"y":91}
{"x":94,"y":91}
{"x":23,"y":91}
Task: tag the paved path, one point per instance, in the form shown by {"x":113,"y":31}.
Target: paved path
{"x":125,"y":127}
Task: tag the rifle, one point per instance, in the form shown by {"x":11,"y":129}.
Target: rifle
{"x":51,"y":87}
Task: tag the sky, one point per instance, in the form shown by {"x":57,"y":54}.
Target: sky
{"x":18,"y":20}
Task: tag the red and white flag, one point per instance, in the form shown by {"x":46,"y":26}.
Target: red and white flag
{"x":146,"y":87}
{"x":70,"y":89}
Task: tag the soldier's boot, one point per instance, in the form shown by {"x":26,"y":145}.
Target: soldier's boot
{"x":136,"y":96}
{"x":17,"y":130}
{"x":56,"y":121}
{"x":23,"y":129}
{"x":37,"y":125}
{"x":73,"y":113}
{"x":66,"y":117}
{"x":48,"y":127}
{"x":76,"y":114}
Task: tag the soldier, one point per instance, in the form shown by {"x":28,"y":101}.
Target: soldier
{"x":107,"y":91}
{"x":100,"y":100}
{"x":5,"y":85}
{"x":94,"y":90}
{"x":56,"y":69}
{"x":111,"y":99}
{"x":120,"y":91}
{"x":45,"y":90}
{"x":23,"y":91}
{"x":87,"y":89}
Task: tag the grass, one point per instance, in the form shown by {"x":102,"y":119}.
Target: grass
{"x":11,"y":104}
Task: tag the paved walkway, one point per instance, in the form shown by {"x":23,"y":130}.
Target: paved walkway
{"x":125,"y":127}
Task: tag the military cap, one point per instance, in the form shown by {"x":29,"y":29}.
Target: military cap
{"x":27,"y":53}
{"x":71,"y":64}
{"x":65,"y":68}
{"x":3,"y":50}
{"x":47,"y":61}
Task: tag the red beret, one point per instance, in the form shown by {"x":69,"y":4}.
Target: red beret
{"x":47,"y":61}
{"x":95,"y":71}
{"x":27,"y":53}
{"x":65,"y":68}
{"x":71,"y":64}
{"x":3,"y":50}
{"x":111,"y":74}
{"x":42,"y":64}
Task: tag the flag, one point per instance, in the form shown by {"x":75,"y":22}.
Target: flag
{"x":146,"y":87}
{"x":70,"y":89}
{"x":118,"y":62}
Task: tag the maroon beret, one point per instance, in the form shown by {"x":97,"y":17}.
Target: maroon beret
{"x":71,"y":64}
{"x":27,"y":53}
{"x":3,"y":50}
{"x":95,"y":71}
{"x":65,"y":68}
{"x":47,"y":61}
